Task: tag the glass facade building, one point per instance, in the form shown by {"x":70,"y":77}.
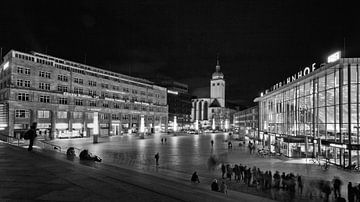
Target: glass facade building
{"x":316,"y":115}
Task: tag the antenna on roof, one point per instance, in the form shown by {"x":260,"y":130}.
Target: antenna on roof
{"x":344,"y":46}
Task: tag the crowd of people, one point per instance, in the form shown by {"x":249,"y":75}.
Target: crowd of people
{"x":287,"y":182}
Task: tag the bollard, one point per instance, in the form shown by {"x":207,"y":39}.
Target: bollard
{"x":95,"y":138}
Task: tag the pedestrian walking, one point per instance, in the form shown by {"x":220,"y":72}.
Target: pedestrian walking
{"x":157,"y":156}
{"x":31,"y":135}
{"x":223,"y":188}
{"x":165,"y":140}
{"x":212,"y":143}
{"x":162,"y":140}
{"x":351,"y":192}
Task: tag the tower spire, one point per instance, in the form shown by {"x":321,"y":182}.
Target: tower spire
{"x":218,"y":63}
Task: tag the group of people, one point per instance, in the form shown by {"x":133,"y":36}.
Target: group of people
{"x":266,"y":180}
{"x":163,"y":140}
{"x":222,"y":188}
{"x":353,"y":192}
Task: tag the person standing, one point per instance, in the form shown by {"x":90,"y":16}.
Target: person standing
{"x":300,"y":184}
{"x":212,"y":143}
{"x":351,"y":192}
{"x":337,"y":186}
{"x":162,"y":140}
{"x":223,"y":188}
{"x":157,"y":156}
{"x":31,"y":133}
{"x":222,"y":170}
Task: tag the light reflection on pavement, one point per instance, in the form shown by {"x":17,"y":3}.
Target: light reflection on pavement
{"x":184,"y":154}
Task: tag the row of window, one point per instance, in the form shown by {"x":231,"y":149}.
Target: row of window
{"x":64,"y":78}
{"x":45,"y":114}
{"x":80,"y":102}
{"x":84,"y":72}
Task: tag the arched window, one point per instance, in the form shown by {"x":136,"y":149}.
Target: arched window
{"x":206,"y":107}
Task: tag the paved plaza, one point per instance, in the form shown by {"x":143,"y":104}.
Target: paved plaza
{"x":43,"y":175}
{"x":183,"y":154}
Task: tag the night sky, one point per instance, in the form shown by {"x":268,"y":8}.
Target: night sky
{"x":259,"y":42}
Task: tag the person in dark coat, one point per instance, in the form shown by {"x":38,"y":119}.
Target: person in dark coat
{"x":157,"y":156}
{"x":223,"y":169}
{"x":195,"y":178}
{"x":31,"y":133}
{"x":337,"y":187}
{"x":351,"y":192}
{"x":215,"y":185}
{"x":85,"y":155}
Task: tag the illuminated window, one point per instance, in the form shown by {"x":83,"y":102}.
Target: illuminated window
{"x":62,"y":114}
{"x":43,"y":114}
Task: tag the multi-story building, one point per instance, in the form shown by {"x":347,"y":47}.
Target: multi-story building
{"x":315,"y":112}
{"x":247,"y":122}
{"x":69,"y":99}
{"x":179,"y":102}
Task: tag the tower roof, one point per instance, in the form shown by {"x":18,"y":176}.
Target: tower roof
{"x":217,"y":74}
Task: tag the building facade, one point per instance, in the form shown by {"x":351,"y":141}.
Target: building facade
{"x":69,"y":99}
{"x":179,"y":102}
{"x":316,"y":113}
{"x":247,"y":122}
{"x":212,"y":112}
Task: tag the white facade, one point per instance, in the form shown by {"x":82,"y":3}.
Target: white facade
{"x":217,"y":86}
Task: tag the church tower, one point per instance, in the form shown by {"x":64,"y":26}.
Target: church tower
{"x":217,"y":86}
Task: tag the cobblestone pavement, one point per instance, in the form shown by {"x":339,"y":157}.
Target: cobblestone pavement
{"x":183,"y":154}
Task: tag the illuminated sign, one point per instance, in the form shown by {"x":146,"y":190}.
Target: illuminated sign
{"x":304,"y":72}
{"x":6,"y":65}
{"x":334,"y":57}
{"x":172,"y":92}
